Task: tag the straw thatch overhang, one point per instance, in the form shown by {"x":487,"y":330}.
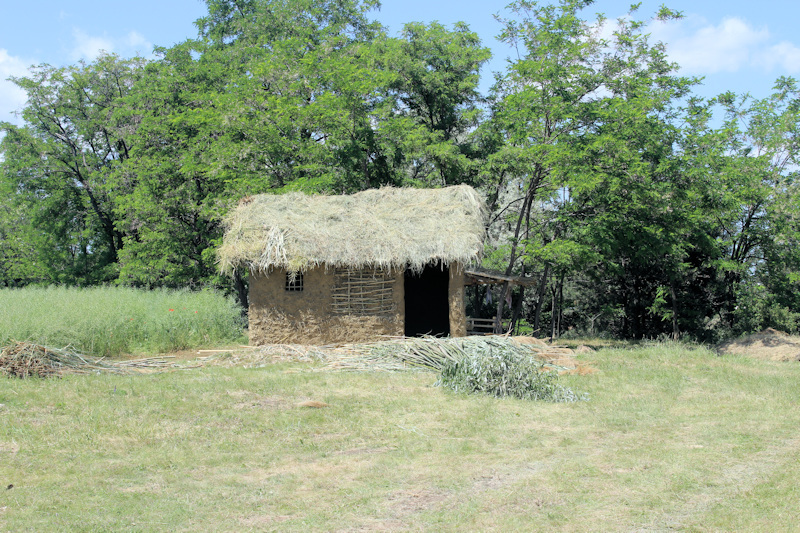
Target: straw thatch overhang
{"x":384,"y":228}
{"x":480,"y":276}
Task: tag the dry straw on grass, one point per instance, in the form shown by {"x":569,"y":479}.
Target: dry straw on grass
{"x":433,"y":353}
{"x":388,"y":228}
{"x":770,"y":345}
{"x":400,"y":353}
{"x":25,"y":360}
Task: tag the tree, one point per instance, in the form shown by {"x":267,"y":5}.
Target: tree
{"x":436,"y":102}
{"x":171,"y":216}
{"x":754,"y":193}
{"x":303,"y":88}
{"x":57,"y":167}
{"x":586,"y":148}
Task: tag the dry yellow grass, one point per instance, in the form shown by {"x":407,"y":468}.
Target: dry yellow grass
{"x":770,"y":345}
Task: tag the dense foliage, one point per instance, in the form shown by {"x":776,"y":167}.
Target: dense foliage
{"x":638,"y":208}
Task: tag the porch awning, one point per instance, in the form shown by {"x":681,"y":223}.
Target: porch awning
{"x":480,"y":276}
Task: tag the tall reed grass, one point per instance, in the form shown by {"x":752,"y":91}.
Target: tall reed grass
{"x":111,"y":321}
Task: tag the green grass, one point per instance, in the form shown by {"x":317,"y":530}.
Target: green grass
{"x":672,"y":438}
{"x":110,"y":321}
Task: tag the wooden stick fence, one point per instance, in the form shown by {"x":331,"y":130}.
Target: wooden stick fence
{"x":363,"y":292}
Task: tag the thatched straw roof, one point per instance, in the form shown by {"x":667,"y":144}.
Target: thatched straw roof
{"x":388,"y":227}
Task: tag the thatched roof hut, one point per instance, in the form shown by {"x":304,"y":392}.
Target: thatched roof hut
{"x":388,"y":228}
{"x":357,"y":258}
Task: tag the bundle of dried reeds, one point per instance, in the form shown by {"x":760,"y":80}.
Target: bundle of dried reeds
{"x":26,"y":359}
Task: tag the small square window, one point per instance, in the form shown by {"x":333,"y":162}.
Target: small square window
{"x":294,"y":281}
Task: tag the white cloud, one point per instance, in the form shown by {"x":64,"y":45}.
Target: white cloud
{"x":783,"y":56}
{"x":89,"y":47}
{"x":136,"y":42}
{"x":12,"y":98}
{"x":608,"y":27}
{"x":730,"y":46}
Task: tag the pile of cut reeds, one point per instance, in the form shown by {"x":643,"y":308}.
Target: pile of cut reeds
{"x":26,"y":359}
{"x":432,"y":353}
{"x":261,"y":356}
{"x":496,"y":365}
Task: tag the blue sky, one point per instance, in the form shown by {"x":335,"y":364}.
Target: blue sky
{"x":736,"y":45}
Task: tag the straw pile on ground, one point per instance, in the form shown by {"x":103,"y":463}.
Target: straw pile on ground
{"x":495,"y":365}
{"x":388,"y":228}
{"x":400,"y":354}
{"x":26,"y":360}
{"x":770,"y":345}
{"x":433,"y":353}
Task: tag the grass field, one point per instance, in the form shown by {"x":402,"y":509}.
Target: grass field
{"x":112,"y":321}
{"x":672,"y":438}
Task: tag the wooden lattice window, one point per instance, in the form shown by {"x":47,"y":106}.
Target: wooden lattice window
{"x":294,"y":281}
{"x":363,"y":292}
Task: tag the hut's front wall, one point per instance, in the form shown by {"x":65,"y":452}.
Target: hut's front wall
{"x":315,"y":315}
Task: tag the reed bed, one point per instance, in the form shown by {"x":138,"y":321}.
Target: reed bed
{"x":117,"y":321}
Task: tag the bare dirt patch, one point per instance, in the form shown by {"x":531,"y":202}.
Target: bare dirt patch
{"x":255,"y":401}
{"x":411,"y":501}
{"x":259,"y":521}
{"x":770,"y":345}
{"x":9,"y":447}
{"x":561,"y":357}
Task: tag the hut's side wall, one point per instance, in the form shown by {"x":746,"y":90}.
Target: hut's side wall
{"x":458,"y":308}
{"x":278,"y":316}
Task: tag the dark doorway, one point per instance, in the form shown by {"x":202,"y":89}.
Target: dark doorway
{"x":426,"y":296}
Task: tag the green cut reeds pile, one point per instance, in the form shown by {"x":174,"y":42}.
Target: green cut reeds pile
{"x":504,"y":373}
{"x":433,"y":353}
{"x":494,"y":365}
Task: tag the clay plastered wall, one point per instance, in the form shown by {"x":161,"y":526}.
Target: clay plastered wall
{"x":278,"y":316}
{"x":458,"y":309}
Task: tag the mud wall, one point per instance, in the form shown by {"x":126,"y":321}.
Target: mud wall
{"x":278,"y":316}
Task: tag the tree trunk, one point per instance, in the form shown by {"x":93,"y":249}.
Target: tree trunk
{"x":537,"y":317}
{"x":524,"y":216}
{"x":675,"y":331}
{"x":501,"y":300}
{"x":517,"y":312}
{"x":560,"y":305}
{"x":552,"y":313}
